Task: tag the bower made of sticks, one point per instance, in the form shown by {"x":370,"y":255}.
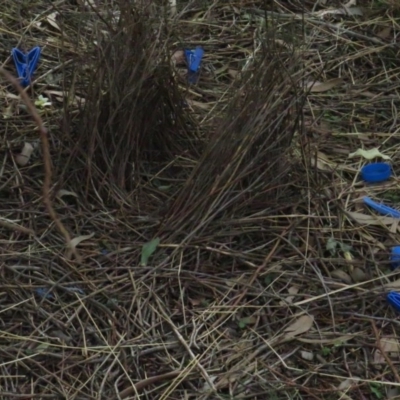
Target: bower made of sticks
{"x":244,"y":169}
{"x":135,"y":120}
{"x":134,"y":115}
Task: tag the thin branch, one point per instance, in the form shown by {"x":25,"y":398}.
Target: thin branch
{"x":46,"y":160}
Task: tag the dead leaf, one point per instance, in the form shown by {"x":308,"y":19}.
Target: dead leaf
{"x":301,"y":325}
{"x":13,"y":226}
{"x":289,"y":300}
{"x":307,"y":355}
{"x":206,"y":386}
{"x":233,"y":73}
{"x":51,"y":19}
{"x":325,"y":164}
{"x":172,"y":4}
{"x":353,"y":11}
{"x":321,"y":164}
{"x":348,"y":256}
{"x":74,"y":242}
{"x":364,"y":219}
{"x":359,"y":275}
{"x":334,"y":340}
{"x":42,"y":347}
{"x":63,"y":192}
{"x":394,"y":226}
{"x":195,"y":302}
{"x":342,"y":275}
{"x":369,"y":154}
{"x":61,"y":96}
{"x":385,"y":33}
{"x":390,"y":346}
{"x":8,"y":112}
{"x":393,"y":285}
{"x":348,"y":383}
{"x":203,"y":106}
{"x":62,"y":336}
{"x":23,"y":158}
{"x":347,"y":9}
{"x":178,"y":57}
{"x":318,"y":87}
{"x":393,"y":393}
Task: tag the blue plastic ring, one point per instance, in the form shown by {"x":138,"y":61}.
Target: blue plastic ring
{"x":376,"y":172}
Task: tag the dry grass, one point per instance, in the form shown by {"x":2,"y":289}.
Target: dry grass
{"x":246,"y":181}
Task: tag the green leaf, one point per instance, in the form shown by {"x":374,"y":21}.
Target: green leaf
{"x":345,"y":247}
{"x":242,"y":325}
{"x":331,"y":245}
{"x":246,"y":321}
{"x":268,"y":280}
{"x":42,"y":102}
{"x":376,"y":390}
{"x":326,"y":351}
{"x":147,"y":250}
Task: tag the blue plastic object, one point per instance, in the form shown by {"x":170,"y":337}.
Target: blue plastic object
{"x":381,"y":208}
{"x":26,"y":64}
{"x":75,"y":290}
{"x":193,"y":58}
{"x":395,"y":257}
{"x":376,"y":172}
{"x":393,"y":298}
{"x":44,"y":293}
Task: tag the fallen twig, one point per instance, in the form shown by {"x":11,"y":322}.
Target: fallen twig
{"x":46,"y":159}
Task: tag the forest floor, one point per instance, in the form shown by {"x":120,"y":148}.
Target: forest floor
{"x":186,"y":284}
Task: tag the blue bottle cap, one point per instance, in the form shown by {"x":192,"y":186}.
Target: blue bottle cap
{"x":26,"y":64}
{"x":376,"y":172}
{"x":393,"y":298}
{"x":395,"y":257}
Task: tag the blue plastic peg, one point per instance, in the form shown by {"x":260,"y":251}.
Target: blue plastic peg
{"x":393,"y":299}
{"x":193,"y":58}
{"x":395,"y":257}
{"x":26,"y":64}
{"x":381,"y":208}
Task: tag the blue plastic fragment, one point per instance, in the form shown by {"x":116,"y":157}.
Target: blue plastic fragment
{"x":376,"y":172}
{"x":75,"y":290}
{"x":395,"y":257}
{"x":193,"y":58}
{"x":44,"y":293}
{"x":26,"y":64}
{"x":382,"y":209}
{"x":393,"y":298}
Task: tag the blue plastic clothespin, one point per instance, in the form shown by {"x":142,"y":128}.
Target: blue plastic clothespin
{"x":395,"y":257}
{"x":26,"y":64}
{"x":381,"y":208}
{"x":193,"y":59}
{"x":393,"y":298}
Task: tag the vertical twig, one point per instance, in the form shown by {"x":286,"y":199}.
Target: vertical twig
{"x":46,"y":159}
